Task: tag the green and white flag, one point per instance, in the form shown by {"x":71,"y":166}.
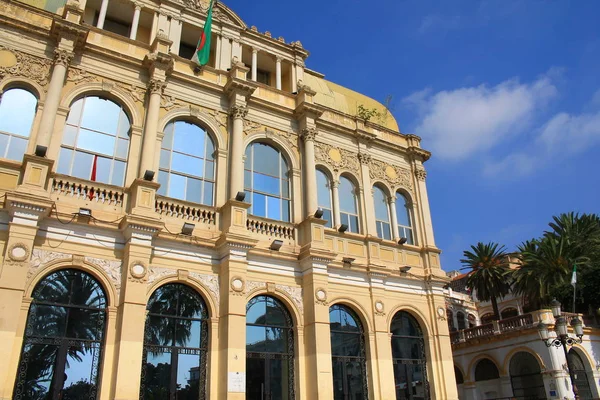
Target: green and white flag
{"x":574,"y":277}
{"x":202,"y":54}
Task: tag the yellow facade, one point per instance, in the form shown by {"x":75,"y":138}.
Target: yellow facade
{"x":132,"y":243}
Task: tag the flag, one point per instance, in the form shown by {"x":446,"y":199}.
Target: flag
{"x":574,"y":277}
{"x":93,"y":177}
{"x":202,"y":53}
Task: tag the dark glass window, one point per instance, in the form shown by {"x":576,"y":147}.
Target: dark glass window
{"x":64,"y":338}
{"x":526,"y":378}
{"x":269,"y":350}
{"x":460,"y":319}
{"x":347,"y":354}
{"x":175,"y":345}
{"x":405,"y":228}
{"x":17,"y":111}
{"x":187,"y":164}
{"x":324,"y":197}
{"x":408,"y":355}
{"x":382,"y":214}
{"x":97,"y":129}
{"x":267,"y":182}
{"x":583,"y":377}
{"x":486,"y":370}
{"x":349,"y":205}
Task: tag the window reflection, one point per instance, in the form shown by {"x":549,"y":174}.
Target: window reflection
{"x":324,"y":197}
{"x":348,"y":354}
{"x":269,"y":350}
{"x":382,"y":214}
{"x":63,"y":339}
{"x":17,"y":111}
{"x":95,"y":127}
{"x":175,"y":344}
{"x":408,"y":354}
{"x":187,"y":163}
{"x":266,"y":178}
{"x":404,"y":220}
{"x":348,"y":205}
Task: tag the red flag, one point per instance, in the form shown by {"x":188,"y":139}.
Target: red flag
{"x":93,"y":177}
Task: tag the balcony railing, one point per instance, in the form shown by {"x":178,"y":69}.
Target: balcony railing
{"x":493,"y":328}
{"x":182,"y":210}
{"x":87,"y":191}
{"x":282,"y":230}
{"x":515,"y":323}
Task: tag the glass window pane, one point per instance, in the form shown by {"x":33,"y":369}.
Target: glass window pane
{"x":188,"y":376}
{"x":69,"y":135}
{"x":102,"y":169}
{"x":75,"y":113}
{"x":189,"y":139}
{"x":3,"y":144}
{"x":276,"y":340}
{"x":188,"y":333}
{"x":323,"y":190}
{"x":165,"y":159}
{"x":259,"y":205}
{"x":266,"y":159}
{"x":256,"y":337}
{"x":78,"y":370}
{"x":124,"y":125}
{"x":209,"y":170}
{"x":355,"y":370}
{"x":167,"y":142}
{"x":64,"y":161}
{"x":122,"y":148}
{"x":328,"y":217}
{"x":177,"y":186}
{"x":96,"y":142}
{"x":158,"y":375}
{"x":285,"y":210}
{"x":186,"y":164}
{"x":17,"y":111}
{"x":274,"y":208}
{"x":210,"y":148}
{"x":255,"y":378}
{"x":82,"y":165}
{"x":163,"y":179}
{"x":347,"y":197}
{"x":266,"y":184}
{"x":354,"y":228}
{"x":402,"y":211}
{"x":247,"y":180}
{"x":208,"y":193}
{"x":118,"y":176}
{"x":285,"y":188}
{"x":100,"y":115}
{"x":49,"y":321}
{"x":39,"y":370}
{"x":17,"y":148}
{"x":380,"y":203}
{"x":194,"y":190}
{"x":257,"y":311}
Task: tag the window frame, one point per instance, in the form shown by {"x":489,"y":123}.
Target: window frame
{"x":345,"y":216}
{"x":380,"y":224}
{"x":13,"y":135}
{"x":403,"y":230}
{"x":329,"y":188}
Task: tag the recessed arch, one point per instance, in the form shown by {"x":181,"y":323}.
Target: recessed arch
{"x":274,"y":140}
{"x":383,"y":186}
{"x":20,"y":82}
{"x":358,"y":309}
{"x":506,"y":363}
{"x":285,"y":298}
{"x":475,"y":360}
{"x":459,"y":375}
{"x":18,"y":110}
{"x":200,"y":118}
{"x":526,"y":376}
{"x":583,"y":371}
{"x":416,"y":313}
{"x":209,"y":298}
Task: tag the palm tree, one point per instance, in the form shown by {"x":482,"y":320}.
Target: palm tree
{"x":488,"y":264}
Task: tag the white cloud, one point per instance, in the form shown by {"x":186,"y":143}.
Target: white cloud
{"x":462,"y":122}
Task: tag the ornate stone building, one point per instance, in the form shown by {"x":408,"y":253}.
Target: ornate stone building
{"x":239,"y":231}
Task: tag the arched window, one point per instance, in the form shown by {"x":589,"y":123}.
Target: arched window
{"x":584,"y":377}
{"x":526,"y":378}
{"x":63,"y":340}
{"x":324,"y":197}
{"x":347,"y":354}
{"x":17,"y":111}
{"x":269,"y":350}
{"x":460,"y":319}
{"x":187,"y":164}
{"x":382,"y":214}
{"x":348,"y":205}
{"x":486,"y":370}
{"x":408,"y":354}
{"x":487,"y":318}
{"x":97,"y":132}
{"x":509,"y":312}
{"x":404,"y":219}
{"x":472,"y":321}
{"x":450,"y":319}
{"x":266,"y":180}
{"x":458,"y":376}
{"x":175,"y":344}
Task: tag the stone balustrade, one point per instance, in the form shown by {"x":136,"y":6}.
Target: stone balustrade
{"x":86,"y":191}
{"x":182,"y":210}
{"x":276,"y":229}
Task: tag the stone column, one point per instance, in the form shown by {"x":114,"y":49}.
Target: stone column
{"x":62,"y":58}
{"x":175,"y":34}
{"x":136,"y":21}
{"x":236,"y":171}
{"x":335,"y":194}
{"x":156,"y":88}
{"x":368,"y":210}
{"x":310,"y":172}
{"x":102,"y":15}
{"x":254,"y":63}
{"x":218,"y":52}
{"x":278,"y":73}
{"x":394,"y":221}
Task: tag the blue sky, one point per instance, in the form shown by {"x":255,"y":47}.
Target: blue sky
{"x":506,"y":95}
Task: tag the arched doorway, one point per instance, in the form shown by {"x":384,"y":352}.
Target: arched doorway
{"x":525,"y":377}
{"x":269,"y":350}
{"x":64,"y":338}
{"x":347,"y":354}
{"x":408,"y":355}
{"x":487,"y":380}
{"x":580,"y":374}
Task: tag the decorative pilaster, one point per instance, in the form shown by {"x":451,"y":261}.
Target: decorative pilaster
{"x":254,"y":63}
{"x":367,"y":197}
{"x":310,"y":174}
{"x":394,"y":221}
{"x":278,"y":73}
{"x":156,"y":89}
{"x":236,"y":172}
{"x":136,"y":21}
{"x":335,"y":194}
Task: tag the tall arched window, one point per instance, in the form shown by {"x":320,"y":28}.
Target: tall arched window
{"x":266,"y":180}
{"x":526,"y":377}
{"x":486,"y":370}
{"x":382,"y":214}
{"x":324,"y":197}
{"x":584,"y":377}
{"x":175,"y":345}
{"x":269,"y":350}
{"x":408,"y":353}
{"x":97,"y":131}
{"x":347,"y":354}
{"x":63,"y":338}
{"x":404,"y":219}
{"x":187,"y":164}
{"x":17,"y":111}
{"x":349,"y":205}
{"x":460,"y":319}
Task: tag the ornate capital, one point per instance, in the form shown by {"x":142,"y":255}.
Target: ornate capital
{"x":238,"y":112}
{"x":391,"y":200}
{"x":308,"y":134}
{"x":156,"y":86}
{"x":364,"y":158}
{"x":421,"y":174}
{"x":63,"y":57}
{"x":335,"y":184}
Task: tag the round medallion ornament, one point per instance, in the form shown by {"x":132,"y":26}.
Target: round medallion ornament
{"x":18,"y":252}
{"x":7,"y":59}
{"x":379,"y":307}
{"x":391,"y":172}
{"x":321,"y":294}
{"x":137,"y":269}
{"x":335,"y":155}
{"x":441,"y":312}
{"x":237,"y":284}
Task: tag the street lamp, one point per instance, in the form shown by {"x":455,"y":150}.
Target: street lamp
{"x":562,"y":336}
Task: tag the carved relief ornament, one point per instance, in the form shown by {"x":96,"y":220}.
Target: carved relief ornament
{"x":393,"y":175}
{"x":421,"y":174}
{"x":63,"y":57}
{"x":337,"y":159}
{"x":16,"y":63}
{"x":238,"y":112}
{"x":308,"y":134}
{"x":156,"y":86}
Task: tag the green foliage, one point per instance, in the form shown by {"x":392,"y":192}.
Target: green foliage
{"x":366,"y":113}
